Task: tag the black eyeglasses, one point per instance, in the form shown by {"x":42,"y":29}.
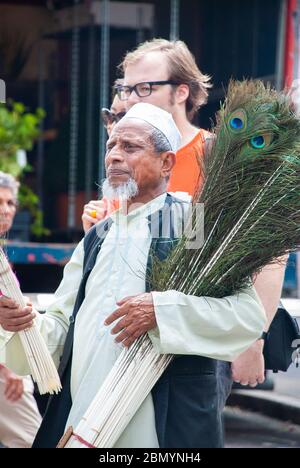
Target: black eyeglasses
{"x":143,"y":89}
{"x":110,"y":117}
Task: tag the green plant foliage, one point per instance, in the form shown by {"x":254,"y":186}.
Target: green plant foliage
{"x":29,"y":200}
{"x":19,"y":129}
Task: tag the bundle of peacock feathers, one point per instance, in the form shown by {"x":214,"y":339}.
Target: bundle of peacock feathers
{"x":251,"y":217}
{"x":251,"y":196}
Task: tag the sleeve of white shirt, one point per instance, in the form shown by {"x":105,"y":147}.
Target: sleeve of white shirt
{"x":54,"y":323}
{"x":205,"y":326}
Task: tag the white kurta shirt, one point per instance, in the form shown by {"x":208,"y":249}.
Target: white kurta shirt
{"x":119,"y":272}
{"x":216,"y":328}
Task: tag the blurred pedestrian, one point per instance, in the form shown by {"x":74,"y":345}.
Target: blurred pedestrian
{"x":19,"y":415}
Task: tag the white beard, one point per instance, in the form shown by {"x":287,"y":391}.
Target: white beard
{"x":125,"y":191}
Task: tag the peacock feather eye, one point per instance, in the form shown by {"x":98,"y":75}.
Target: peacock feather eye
{"x":258,"y":142}
{"x":238,"y":120}
{"x":261,"y":141}
{"x":236,"y":123}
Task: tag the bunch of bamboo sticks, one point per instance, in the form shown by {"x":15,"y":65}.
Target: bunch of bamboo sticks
{"x":41,"y":364}
{"x":133,"y":376}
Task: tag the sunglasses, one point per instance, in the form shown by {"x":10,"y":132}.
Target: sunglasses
{"x":110,"y":117}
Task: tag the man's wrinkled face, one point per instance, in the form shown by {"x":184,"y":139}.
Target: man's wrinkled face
{"x":7,"y":209}
{"x":152,"y":67}
{"x":130,"y":155}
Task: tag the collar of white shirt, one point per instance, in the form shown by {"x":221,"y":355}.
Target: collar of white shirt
{"x":140,"y":210}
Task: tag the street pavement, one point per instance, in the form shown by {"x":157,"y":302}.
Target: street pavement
{"x":245,"y":429}
{"x":287,"y":383}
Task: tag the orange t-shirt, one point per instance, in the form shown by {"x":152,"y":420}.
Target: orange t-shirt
{"x":186,"y":174}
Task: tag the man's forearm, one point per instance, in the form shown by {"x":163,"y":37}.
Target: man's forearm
{"x":205,"y":326}
{"x":268,"y":285}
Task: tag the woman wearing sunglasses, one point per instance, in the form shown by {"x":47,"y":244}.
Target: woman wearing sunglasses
{"x":113,"y":115}
{"x":96,"y":210}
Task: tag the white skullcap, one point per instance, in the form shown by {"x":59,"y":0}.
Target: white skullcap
{"x":157,"y":118}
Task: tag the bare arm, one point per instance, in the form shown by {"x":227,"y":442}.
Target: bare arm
{"x":14,"y":388}
{"x":268,"y":285}
{"x":249,"y":367}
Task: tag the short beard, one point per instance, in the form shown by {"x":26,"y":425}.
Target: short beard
{"x":122,"y":192}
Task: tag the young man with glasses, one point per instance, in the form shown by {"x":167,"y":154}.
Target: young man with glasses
{"x":165,"y":73}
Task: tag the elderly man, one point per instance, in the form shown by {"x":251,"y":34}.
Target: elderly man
{"x":19,"y":416}
{"x":104,"y":303}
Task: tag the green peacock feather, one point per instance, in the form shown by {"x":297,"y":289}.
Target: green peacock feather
{"x":251,"y":196}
